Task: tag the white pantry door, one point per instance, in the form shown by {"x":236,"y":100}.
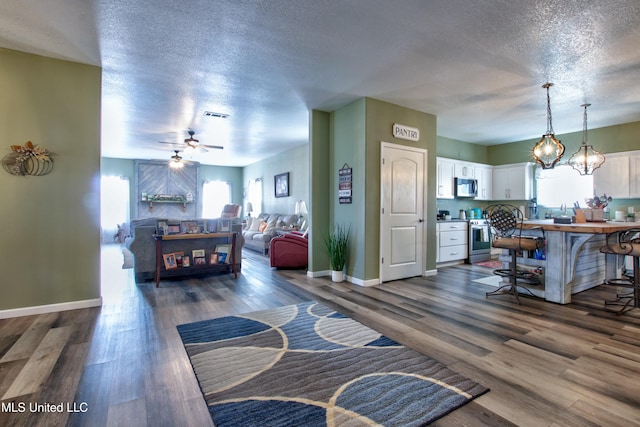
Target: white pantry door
{"x":402,"y":226}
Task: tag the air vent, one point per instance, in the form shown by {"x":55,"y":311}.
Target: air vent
{"x":213,"y":114}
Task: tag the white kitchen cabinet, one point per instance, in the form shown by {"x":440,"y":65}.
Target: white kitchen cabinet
{"x":453,"y":241}
{"x":484,"y":175}
{"x":445,"y":174}
{"x":612,"y":178}
{"x":634,"y":175}
{"x":464,"y":170}
{"x":513,"y":182}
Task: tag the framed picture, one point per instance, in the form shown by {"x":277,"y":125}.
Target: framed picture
{"x":224,"y":253}
{"x":199,"y":261}
{"x":186,"y":262}
{"x":197,"y":253}
{"x":225,"y":226}
{"x":179,"y":258}
{"x":214,"y":258}
{"x":170,"y":261}
{"x":212,"y":226}
{"x":190,"y":227}
{"x":281,"y":184}
{"x":162,"y":228}
{"x":174,"y":229}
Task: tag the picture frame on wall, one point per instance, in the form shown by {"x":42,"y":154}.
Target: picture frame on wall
{"x":281,"y":185}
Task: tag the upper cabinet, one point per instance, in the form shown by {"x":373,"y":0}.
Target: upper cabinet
{"x":484,"y":175}
{"x":446,"y":169}
{"x":513,"y":182}
{"x":464,"y":170}
{"x":619,"y":176}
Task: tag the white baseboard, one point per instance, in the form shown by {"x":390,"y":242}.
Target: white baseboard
{"x":322,"y":273}
{"x":431,"y":272}
{"x":363,"y":283}
{"x":50,"y":308}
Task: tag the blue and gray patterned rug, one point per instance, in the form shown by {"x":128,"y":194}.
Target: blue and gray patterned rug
{"x":309,"y":365}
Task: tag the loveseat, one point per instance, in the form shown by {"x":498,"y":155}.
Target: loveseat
{"x":289,"y":250}
{"x":143,"y":247}
{"x":261,"y":229}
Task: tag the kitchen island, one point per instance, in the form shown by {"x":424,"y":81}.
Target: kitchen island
{"x":573,"y":262}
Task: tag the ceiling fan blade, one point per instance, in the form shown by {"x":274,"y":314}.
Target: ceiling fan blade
{"x":215,"y":147}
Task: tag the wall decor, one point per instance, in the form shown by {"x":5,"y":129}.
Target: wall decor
{"x":28,"y":159}
{"x":345,"y":175}
{"x":281,"y":185}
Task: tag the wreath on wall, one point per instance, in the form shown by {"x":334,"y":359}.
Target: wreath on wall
{"x":28,"y":159}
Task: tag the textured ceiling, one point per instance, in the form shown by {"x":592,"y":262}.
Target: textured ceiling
{"x":477,"y":65}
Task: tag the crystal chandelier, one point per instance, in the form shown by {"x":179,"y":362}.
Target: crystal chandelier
{"x":549,"y":150}
{"x":586,"y":159}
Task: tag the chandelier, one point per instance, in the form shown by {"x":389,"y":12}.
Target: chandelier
{"x":549,"y":150}
{"x":586,"y":159}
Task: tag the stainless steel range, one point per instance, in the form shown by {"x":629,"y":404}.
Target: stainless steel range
{"x":479,"y":240}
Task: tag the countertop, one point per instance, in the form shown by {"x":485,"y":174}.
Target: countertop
{"x":586,"y":227}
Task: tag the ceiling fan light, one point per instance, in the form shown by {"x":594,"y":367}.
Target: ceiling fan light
{"x":176,"y":161}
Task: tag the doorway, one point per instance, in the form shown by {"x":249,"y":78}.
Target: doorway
{"x":402,"y":224}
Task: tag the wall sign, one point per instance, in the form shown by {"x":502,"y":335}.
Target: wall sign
{"x":344,"y":184}
{"x":406,"y":132}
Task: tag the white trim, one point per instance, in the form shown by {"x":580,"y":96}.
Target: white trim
{"x":363,"y":283}
{"x":50,"y":308}
{"x":431,"y":272}
{"x":322,"y":273}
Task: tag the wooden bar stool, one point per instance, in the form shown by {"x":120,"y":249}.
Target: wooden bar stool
{"x":625,"y":243}
{"x":506,"y":222}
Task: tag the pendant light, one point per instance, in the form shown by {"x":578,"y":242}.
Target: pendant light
{"x":586,"y":159}
{"x":549,"y":150}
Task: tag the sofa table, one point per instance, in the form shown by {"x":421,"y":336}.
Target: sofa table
{"x":207,"y":239}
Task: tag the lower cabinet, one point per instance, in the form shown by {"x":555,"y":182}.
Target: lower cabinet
{"x":453,"y":241}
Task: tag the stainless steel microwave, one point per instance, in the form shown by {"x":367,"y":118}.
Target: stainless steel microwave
{"x":466,"y":187}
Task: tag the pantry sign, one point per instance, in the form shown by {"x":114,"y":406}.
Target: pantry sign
{"x":406,"y":132}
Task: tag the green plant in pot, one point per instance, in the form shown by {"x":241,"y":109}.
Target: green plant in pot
{"x":336,"y":243}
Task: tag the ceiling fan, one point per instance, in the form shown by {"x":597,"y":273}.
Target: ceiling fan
{"x":193,"y":143}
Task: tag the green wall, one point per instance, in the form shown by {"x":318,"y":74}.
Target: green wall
{"x":294,"y":161}
{"x":355,"y":135}
{"x":51,"y":239}
{"x":320,"y":187}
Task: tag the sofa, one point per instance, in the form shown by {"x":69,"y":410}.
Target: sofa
{"x":260,"y":230}
{"x":143,"y":247}
{"x":289,"y":250}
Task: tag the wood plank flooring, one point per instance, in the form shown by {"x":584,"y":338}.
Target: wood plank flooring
{"x":123,"y":363}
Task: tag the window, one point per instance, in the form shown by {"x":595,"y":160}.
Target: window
{"x":114,"y":205}
{"x":563,"y":185}
{"x":215,"y":194}
{"x":254,"y":195}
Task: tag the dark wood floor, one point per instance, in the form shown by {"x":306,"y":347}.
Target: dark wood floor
{"x":124,"y":364}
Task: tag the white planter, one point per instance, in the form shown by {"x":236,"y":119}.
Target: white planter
{"x":337,"y":276}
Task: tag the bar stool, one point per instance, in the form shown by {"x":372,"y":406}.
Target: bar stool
{"x":506,"y":222}
{"x":625,"y":243}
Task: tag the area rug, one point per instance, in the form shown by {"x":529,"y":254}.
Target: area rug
{"x":489,"y":264}
{"x":309,"y":365}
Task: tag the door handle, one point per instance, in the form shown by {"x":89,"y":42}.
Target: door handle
{"x":420,"y":220}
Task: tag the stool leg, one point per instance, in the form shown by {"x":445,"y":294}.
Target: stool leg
{"x":514,"y":281}
{"x":636,"y":281}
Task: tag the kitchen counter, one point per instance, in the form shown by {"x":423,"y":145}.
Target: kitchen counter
{"x":573,"y":260}
{"x":586,"y":227}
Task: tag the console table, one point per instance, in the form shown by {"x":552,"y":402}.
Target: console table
{"x":207,"y":240}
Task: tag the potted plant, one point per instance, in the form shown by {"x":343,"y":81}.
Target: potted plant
{"x":335,"y":243}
